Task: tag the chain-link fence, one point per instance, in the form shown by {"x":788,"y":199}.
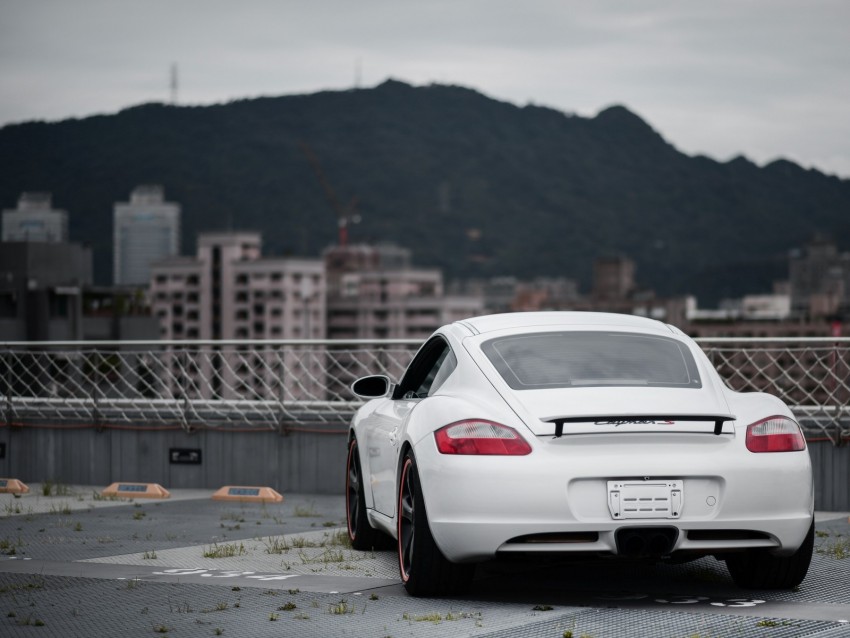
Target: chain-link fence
{"x":812,"y":375}
{"x":301,"y":384}
{"x":246,"y":384}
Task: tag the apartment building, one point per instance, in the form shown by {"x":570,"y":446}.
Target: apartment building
{"x":35,"y":220}
{"x":145,"y":229}
{"x":374,"y":292}
{"x":230,"y":292}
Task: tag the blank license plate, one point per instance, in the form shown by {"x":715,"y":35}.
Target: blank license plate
{"x":645,"y":499}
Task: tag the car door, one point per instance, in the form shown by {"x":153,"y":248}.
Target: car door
{"x":429,"y":368}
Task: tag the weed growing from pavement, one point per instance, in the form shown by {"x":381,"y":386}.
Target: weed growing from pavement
{"x":299,"y":542}
{"x":774,"y":623}
{"x":341,"y":608}
{"x":222,"y":606}
{"x":264,"y":512}
{"x":227,"y":550}
{"x":450,"y":616}
{"x":151,"y":555}
{"x":10,"y":547}
{"x":97,"y":496}
{"x":302,"y":511}
{"x":327,"y":557}
{"x":133,"y":583}
{"x":34,"y":584}
{"x":49,"y":488}
{"x":839,"y":549}
{"x":287,"y":607}
{"x":181,"y":608}
{"x":137,"y":516}
{"x":29,"y":620}
{"x":273,"y":616}
{"x":276,"y":545}
{"x":15,"y":508}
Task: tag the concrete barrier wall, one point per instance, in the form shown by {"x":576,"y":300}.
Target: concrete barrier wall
{"x":298,"y":462}
{"x":307,"y":462}
{"x":832,"y":476}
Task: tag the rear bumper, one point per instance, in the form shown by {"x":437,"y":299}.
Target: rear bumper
{"x":479,"y":506}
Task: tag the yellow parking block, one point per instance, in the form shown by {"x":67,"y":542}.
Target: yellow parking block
{"x":13,"y":486}
{"x":136,"y":490}
{"x":247,"y":494}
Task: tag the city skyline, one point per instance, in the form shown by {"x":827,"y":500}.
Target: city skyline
{"x":762,"y":79}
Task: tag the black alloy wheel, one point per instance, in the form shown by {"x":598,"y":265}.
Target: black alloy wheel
{"x":406,"y":505}
{"x":360,"y":532}
{"x":423,"y":568}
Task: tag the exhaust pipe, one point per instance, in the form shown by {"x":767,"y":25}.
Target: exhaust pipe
{"x":645,"y":542}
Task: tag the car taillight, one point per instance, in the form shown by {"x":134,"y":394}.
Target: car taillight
{"x":775,"y":434}
{"x":477,"y":436}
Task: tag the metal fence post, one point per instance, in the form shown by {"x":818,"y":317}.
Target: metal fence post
{"x":7,"y":358}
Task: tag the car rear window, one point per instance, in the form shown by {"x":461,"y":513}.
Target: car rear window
{"x":592,"y":359}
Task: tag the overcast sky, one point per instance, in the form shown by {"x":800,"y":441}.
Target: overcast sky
{"x":761,"y":78}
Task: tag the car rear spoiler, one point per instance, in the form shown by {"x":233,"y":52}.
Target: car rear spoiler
{"x":625,"y":419}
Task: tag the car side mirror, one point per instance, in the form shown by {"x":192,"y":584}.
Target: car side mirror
{"x":373,"y":387}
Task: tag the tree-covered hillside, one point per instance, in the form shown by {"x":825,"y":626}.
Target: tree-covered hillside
{"x":472,"y":185}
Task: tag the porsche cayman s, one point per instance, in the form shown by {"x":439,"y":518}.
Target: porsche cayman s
{"x":574,"y":432}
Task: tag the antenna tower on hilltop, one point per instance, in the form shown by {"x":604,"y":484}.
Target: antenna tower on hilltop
{"x":173,"y":84}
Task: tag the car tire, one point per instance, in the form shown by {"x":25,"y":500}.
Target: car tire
{"x":759,"y":569}
{"x":424,"y":570}
{"x":362,"y":535}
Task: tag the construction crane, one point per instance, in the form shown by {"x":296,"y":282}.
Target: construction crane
{"x":345,"y":215}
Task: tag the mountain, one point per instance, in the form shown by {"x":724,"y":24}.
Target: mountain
{"x":472,"y":185}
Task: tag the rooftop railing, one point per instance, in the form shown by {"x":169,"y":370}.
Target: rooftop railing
{"x":304,"y":385}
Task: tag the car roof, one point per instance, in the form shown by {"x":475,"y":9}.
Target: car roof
{"x":568,"y":320}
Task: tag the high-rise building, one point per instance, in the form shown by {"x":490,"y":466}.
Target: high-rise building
{"x":613,"y":278}
{"x":146,"y":229}
{"x":35,"y":220}
{"x":41,"y":290}
{"x":228,"y":291}
{"x":820,"y":281}
{"x":375,"y":293}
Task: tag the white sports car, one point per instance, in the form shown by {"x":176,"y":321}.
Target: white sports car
{"x":575,"y":432}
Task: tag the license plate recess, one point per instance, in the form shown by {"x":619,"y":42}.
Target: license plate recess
{"x":645,"y":499}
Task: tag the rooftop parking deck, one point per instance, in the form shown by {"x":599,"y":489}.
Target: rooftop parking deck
{"x":76,"y":564}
